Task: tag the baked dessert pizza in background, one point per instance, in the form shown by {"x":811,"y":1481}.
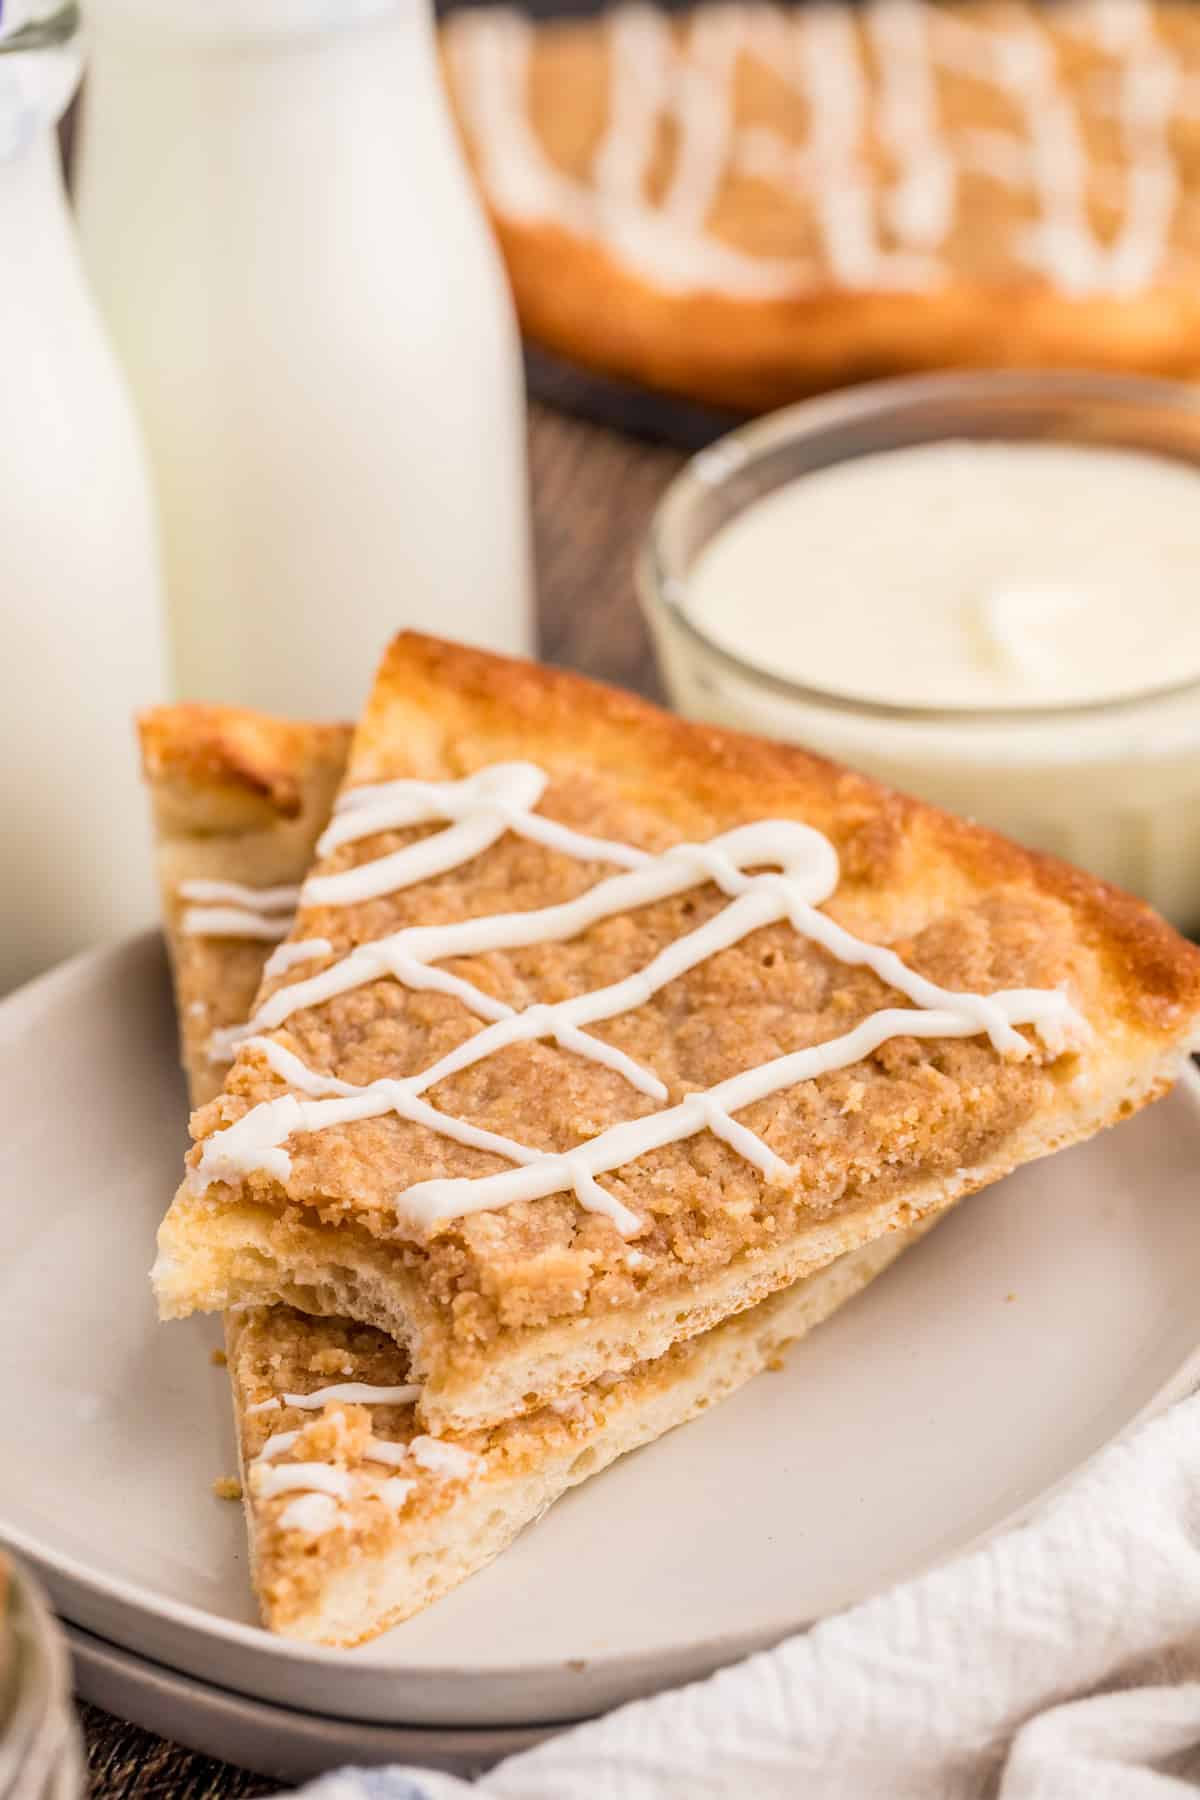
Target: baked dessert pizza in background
{"x":742,"y":204}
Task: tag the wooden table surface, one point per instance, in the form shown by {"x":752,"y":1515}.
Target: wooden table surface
{"x":593,"y":492}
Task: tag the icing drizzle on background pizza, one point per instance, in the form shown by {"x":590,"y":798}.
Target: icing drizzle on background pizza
{"x":880,"y":224}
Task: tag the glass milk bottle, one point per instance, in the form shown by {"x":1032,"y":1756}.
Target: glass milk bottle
{"x":78,"y":567}
{"x":316,"y":324}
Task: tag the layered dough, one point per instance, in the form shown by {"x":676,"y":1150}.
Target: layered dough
{"x":743,"y":203}
{"x":408,"y":1516}
{"x":521,"y":1304}
{"x":237,"y":797}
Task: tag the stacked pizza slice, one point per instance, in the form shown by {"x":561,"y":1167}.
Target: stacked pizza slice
{"x":558,"y":1062}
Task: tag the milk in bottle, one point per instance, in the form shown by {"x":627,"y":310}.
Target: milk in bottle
{"x":296,"y":271}
{"x":79,"y":577}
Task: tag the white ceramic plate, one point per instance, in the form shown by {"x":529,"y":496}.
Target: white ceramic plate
{"x":1023,"y":1334}
{"x":279,"y":1741}
{"x":38,"y":1740}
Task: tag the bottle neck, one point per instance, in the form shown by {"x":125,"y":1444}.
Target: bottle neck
{"x":37,"y":243}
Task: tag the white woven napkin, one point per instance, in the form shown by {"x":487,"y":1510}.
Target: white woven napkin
{"x":1060,"y":1662}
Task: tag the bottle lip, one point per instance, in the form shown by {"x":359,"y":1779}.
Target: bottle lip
{"x":39,"y":68}
{"x":26,"y":25}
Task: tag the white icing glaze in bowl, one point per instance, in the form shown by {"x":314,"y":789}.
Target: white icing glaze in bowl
{"x":1109,"y":782}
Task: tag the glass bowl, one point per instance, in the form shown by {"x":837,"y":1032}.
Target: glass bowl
{"x":1114,"y":786}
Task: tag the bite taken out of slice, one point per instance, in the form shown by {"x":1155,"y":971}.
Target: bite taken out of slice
{"x":356,"y":1517}
{"x":596,"y":1027}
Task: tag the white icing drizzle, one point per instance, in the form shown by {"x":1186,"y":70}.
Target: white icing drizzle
{"x":382,"y":1450}
{"x":428,"y":1202}
{"x":450,"y":1461}
{"x":1061,"y":243}
{"x":288,"y":955}
{"x":277,"y":1444}
{"x":226,"y":909}
{"x":920,"y":206}
{"x":1148,"y":97}
{"x":361,"y":1393}
{"x":1021,"y":63}
{"x":394,"y":1491}
{"x":232,"y":893}
{"x":256,"y":1139}
{"x":322,"y":1485}
{"x":233,"y":922}
{"x":834,"y":86}
{"x":301,"y":1477}
{"x":223,"y":1042}
{"x":807,"y":874}
{"x":1051,"y":157}
{"x":642,"y":55}
{"x":485,"y":806}
{"x":313,"y":1514}
{"x":492,"y":53}
{"x":683,"y":76}
{"x":319,"y":1512}
{"x":703,"y":110}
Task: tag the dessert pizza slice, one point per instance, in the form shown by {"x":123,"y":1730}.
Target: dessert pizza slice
{"x":596,"y":1027}
{"x":239,"y":800}
{"x":357,"y":1517}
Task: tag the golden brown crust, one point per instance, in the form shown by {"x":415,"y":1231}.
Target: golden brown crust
{"x":750,"y":352}
{"x":527,"y":1300}
{"x":883,"y":837}
{"x":225,"y":768}
{"x":242,"y":797}
{"x":574,"y":299}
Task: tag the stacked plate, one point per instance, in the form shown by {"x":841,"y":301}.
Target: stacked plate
{"x":1030,"y":1328}
{"x":39,"y":1743}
